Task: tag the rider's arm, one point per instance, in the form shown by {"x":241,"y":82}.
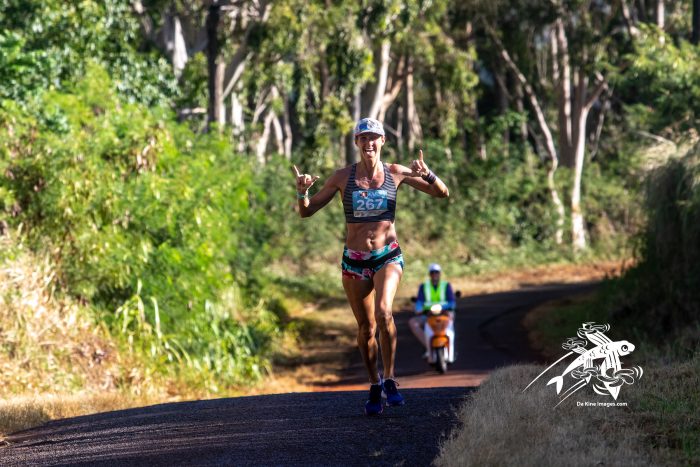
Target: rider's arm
{"x":420,"y":300}
{"x":308,"y":206}
{"x":450,"y":296}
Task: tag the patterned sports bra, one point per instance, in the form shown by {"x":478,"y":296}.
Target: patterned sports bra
{"x":372,"y":204}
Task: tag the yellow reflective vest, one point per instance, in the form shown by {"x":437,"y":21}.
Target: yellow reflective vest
{"x":434,"y":295}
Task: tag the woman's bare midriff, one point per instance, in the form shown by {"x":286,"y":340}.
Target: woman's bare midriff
{"x":370,"y":236}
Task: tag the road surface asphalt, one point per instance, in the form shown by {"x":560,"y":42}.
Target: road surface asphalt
{"x":316,"y":428}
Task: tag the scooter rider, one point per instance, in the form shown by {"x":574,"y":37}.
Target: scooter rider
{"x":432,"y":291}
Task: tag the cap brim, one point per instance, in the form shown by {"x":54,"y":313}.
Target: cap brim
{"x":369,"y":131}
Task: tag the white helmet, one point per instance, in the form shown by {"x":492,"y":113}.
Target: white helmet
{"x":434,"y":267}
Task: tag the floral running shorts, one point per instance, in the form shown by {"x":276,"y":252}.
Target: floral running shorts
{"x":363,"y":265}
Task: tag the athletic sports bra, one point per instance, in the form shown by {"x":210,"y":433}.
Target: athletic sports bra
{"x":369,"y":205}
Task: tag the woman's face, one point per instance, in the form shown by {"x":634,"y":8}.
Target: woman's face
{"x":370,"y":145}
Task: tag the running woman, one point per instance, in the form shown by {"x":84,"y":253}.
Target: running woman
{"x":372,"y":263}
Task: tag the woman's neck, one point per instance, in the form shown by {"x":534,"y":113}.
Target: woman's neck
{"x":371,"y":169}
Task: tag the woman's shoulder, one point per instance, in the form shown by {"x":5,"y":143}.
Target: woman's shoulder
{"x":397,"y":169}
{"x":343,"y":172}
{"x":341,"y":175}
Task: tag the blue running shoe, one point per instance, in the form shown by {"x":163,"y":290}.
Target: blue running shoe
{"x":393,"y":396}
{"x":373,"y":406}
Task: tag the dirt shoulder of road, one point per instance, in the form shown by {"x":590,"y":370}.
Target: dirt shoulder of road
{"x":327,"y":331}
{"x":565,"y":273}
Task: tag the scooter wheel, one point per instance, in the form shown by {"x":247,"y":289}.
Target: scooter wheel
{"x":441,"y":361}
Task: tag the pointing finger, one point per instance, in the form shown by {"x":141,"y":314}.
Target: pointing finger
{"x":296,"y":171}
{"x":420,"y":155}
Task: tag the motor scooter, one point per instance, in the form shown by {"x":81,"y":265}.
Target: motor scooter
{"x":440,"y":335}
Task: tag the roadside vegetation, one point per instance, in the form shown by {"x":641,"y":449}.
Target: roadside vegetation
{"x":655,"y":306}
{"x":150,"y":245}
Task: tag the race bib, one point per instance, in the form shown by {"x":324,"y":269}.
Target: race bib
{"x":367,"y":203}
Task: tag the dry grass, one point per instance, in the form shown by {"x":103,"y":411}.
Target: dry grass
{"x":503,"y":426}
{"x":55,"y":361}
{"x":46,"y":343}
{"x":667,"y":410}
{"x":22,"y":412}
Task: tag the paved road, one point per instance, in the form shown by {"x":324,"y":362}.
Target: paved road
{"x":488,"y":334}
{"x":287,"y":429}
{"x":320,"y":428}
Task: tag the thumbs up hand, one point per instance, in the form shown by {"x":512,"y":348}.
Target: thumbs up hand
{"x":418,"y":167}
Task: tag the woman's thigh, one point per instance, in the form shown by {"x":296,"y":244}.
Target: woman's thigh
{"x":386,"y":283}
{"x":361,"y":298}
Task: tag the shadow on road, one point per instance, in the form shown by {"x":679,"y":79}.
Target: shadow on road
{"x":285,"y":429}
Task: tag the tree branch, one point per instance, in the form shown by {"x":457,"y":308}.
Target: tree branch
{"x":530,"y":93}
{"x":600,"y":87}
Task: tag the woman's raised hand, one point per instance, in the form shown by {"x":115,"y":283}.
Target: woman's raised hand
{"x":419,"y":167}
{"x":304,"y":181}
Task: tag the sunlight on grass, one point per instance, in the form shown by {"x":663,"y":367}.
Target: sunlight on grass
{"x":22,"y":412}
{"x":504,"y":426}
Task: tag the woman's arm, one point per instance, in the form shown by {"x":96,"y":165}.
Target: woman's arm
{"x":309,"y":206}
{"x":420,"y":177}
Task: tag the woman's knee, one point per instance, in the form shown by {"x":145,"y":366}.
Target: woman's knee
{"x":383,"y":315}
{"x":366,"y":331}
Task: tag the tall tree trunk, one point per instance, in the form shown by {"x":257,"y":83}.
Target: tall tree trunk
{"x":356,"y":110}
{"x":400,"y":140}
{"x":695,"y":38}
{"x":261,"y":145}
{"x":582,"y":110}
{"x":289,"y":137}
{"x":413,"y":126}
{"x":237,"y":122}
{"x":546,"y":133}
{"x":473,"y":139}
{"x":630,"y":22}
{"x":595,"y":137}
{"x":219,"y":95}
{"x":501,"y":76}
{"x":279,"y":133}
{"x":661,"y":14}
{"x":578,"y":229}
{"x":478,"y":134}
{"x":214,"y":72}
{"x":393,"y":88}
{"x":382,"y":76}
{"x":520,"y":108}
{"x":561,"y":71}
{"x":174,"y":40}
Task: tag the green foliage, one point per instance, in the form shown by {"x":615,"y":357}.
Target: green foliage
{"x":662,"y":85}
{"x":169,"y":235}
{"x":666,"y":282}
{"x":45,"y":44}
{"x":143,"y":217}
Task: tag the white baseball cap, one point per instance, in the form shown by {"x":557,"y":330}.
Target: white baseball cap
{"x":434,"y":267}
{"x":369,"y":125}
